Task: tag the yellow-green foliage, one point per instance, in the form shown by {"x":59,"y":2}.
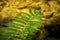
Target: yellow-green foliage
{"x":47,"y":7}
{"x":50,"y":9}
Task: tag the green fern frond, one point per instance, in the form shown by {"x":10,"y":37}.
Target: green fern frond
{"x":22,"y":26}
